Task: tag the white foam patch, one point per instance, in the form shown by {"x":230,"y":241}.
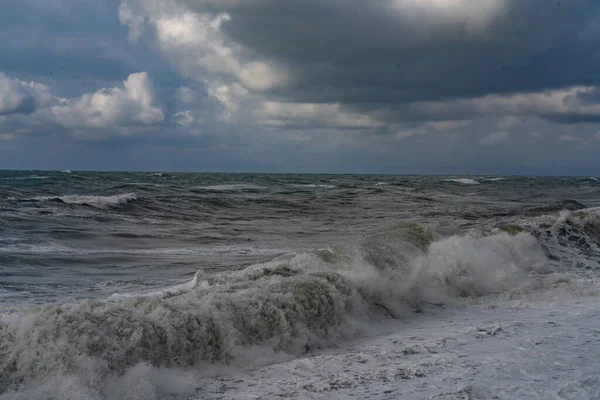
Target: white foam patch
{"x":464,"y":181}
{"x":95,"y":201}
{"x":54,"y":248}
{"x":315,"y":185}
{"x":24,"y":178}
{"x":231,"y":187}
{"x":535,"y":352}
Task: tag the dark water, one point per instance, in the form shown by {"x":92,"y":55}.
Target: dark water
{"x":88,"y":234}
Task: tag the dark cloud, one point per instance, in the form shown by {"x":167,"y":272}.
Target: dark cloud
{"x":314,"y":85}
{"x":356,"y":51}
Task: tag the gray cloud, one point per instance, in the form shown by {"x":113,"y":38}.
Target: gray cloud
{"x":373,"y":86}
{"x":386,"y":61}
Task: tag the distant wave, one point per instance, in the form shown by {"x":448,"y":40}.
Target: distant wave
{"x":54,"y":249}
{"x":494,"y":179}
{"x":464,"y":181}
{"x":94,"y":201}
{"x":233,"y":186}
{"x":591,"y":178}
{"x":315,"y":185}
{"x":24,"y":178}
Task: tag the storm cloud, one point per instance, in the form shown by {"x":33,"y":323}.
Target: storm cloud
{"x":384,"y":76}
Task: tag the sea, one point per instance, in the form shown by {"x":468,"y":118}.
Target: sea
{"x":154,"y":285}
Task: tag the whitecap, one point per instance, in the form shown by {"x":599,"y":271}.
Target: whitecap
{"x":94,"y":201}
{"x":315,"y":185}
{"x":464,"y":181}
{"x":228,"y":187}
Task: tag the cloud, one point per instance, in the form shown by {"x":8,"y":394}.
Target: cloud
{"x":569,"y":138}
{"x":317,"y":84}
{"x":19,"y":97}
{"x":30,"y":108}
{"x":133,"y":104}
{"x":279,"y":114}
{"x":536,"y":136}
{"x":495,"y":138}
{"x":379,"y":63}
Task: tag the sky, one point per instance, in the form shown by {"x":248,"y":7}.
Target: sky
{"x":337,"y":86}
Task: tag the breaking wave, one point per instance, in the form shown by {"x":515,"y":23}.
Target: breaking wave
{"x":94,"y":201}
{"x":464,"y":181}
{"x":144,"y":346}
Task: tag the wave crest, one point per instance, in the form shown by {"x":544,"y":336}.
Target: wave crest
{"x":294,"y":303}
{"x":94,"y":201}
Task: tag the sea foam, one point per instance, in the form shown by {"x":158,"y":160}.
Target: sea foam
{"x":282,"y":308}
{"x":94,"y":201}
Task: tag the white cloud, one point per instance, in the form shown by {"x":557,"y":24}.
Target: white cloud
{"x":449,"y":125}
{"x":508,"y":122}
{"x":569,"y":138}
{"x":134,"y":104}
{"x":495,"y":138}
{"x":430,"y":14}
{"x":195,"y":44}
{"x":186,"y":95}
{"x":280,"y":114}
{"x":184,"y":118}
{"x":134,"y":22}
{"x":536,"y":136}
{"x":18,"y":96}
{"x":408,"y":133}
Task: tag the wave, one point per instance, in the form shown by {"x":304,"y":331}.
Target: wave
{"x":569,"y":204}
{"x":314,"y":185}
{"x":232,"y":187}
{"x":282,"y":308}
{"x":24,"y":178}
{"x":494,"y":179}
{"x":94,"y":201}
{"x":464,"y":181}
{"x":20,"y":248}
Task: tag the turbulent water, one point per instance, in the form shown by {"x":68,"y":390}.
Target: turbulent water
{"x":129,"y":285}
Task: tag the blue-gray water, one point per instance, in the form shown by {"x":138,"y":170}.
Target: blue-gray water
{"x":70,"y":236}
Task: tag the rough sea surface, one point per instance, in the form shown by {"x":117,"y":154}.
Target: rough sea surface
{"x":178,"y":286}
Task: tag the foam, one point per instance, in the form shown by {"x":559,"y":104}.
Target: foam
{"x":495,"y":179}
{"x":280,"y":309}
{"x":94,"y":201}
{"x":54,"y":248}
{"x":315,"y":186}
{"x":231,"y":187}
{"x":464,"y":181}
{"x":24,"y":178}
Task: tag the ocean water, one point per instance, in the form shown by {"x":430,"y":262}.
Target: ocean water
{"x":140,"y":285}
